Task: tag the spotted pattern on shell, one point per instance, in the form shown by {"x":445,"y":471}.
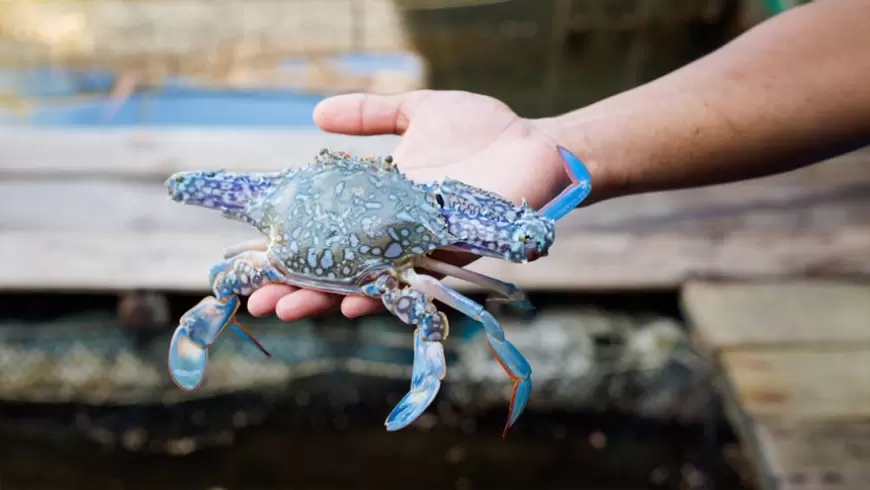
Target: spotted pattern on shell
{"x":342,"y":216}
{"x":487,"y":223}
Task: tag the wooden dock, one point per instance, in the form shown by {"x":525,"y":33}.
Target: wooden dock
{"x":792,"y":361}
{"x":86,"y":209}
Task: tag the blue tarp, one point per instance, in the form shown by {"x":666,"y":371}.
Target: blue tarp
{"x":67,"y":98}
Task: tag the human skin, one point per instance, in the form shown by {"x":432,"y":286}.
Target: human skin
{"x":788,"y":93}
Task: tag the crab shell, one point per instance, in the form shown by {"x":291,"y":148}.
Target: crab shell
{"x":341,"y":220}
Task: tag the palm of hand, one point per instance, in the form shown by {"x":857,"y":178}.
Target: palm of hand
{"x":480,"y":141}
{"x":468,"y":137}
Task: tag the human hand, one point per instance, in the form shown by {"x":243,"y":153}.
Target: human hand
{"x":469,"y":137}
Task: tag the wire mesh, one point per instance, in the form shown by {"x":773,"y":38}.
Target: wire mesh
{"x":583,"y":360}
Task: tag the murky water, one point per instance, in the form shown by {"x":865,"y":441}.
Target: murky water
{"x":327,"y":432}
{"x":546,"y":451}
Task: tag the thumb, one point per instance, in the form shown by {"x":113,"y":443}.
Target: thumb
{"x":367,"y":114}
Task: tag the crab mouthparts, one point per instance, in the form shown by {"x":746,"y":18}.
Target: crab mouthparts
{"x":532,"y":252}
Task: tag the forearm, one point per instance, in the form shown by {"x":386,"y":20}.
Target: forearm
{"x":788,"y":93}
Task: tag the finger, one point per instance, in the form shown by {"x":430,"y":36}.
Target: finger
{"x":262,"y":302}
{"x":357,"y":306}
{"x":367,"y":114}
{"x":303,"y":303}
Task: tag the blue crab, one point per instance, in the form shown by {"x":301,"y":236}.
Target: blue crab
{"x":350,"y":225}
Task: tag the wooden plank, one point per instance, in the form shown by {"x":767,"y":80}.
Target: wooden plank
{"x":826,"y":454}
{"x":108,"y":260}
{"x":789,"y":360}
{"x":121,"y":204}
{"x":790,"y":455}
{"x":809,"y":434}
{"x":800,"y":312}
{"x":832,"y":194}
{"x":101,"y":195}
{"x":156,"y":153}
{"x":813,"y":383}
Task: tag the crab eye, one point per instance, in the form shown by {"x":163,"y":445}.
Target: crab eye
{"x":179,"y":179}
{"x":209,"y":174}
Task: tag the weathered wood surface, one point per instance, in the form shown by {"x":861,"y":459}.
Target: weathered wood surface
{"x":112,"y":260}
{"x":826,"y":454}
{"x":817,"y":312}
{"x":154,"y":154}
{"x":791,"y":362}
{"x":810,"y":382}
{"x":91,"y":205}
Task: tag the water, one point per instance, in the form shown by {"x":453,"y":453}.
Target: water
{"x":351,"y":450}
{"x":327,"y":432}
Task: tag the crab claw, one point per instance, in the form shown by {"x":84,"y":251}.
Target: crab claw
{"x":430,"y":367}
{"x":575,"y":193}
{"x":518,"y":369}
{"x":197,"y":330}
{"x":187,"y":360}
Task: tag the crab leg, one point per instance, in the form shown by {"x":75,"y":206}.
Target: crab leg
{"x":413,"y":307}
{"x":575,"y":193}
{"x":512,"y":361}
{"x":510,"y":294}
{"x":201,"y":325}
{"x":255,"y":245}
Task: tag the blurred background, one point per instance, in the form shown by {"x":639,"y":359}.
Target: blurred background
{"x":663,"y":343}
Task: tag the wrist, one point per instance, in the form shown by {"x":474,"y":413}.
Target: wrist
{"x":574,"y":135}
